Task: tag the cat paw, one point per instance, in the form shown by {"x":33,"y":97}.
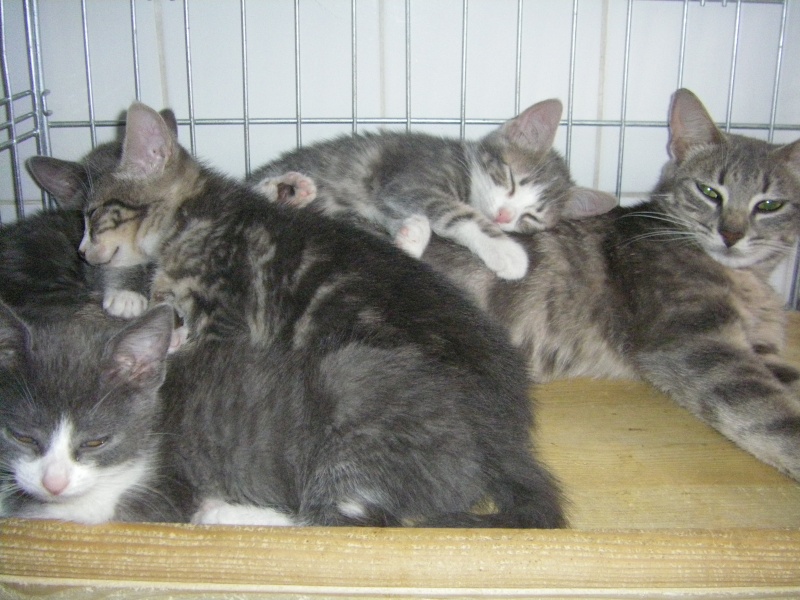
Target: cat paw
{"x":506,"y":258}
{"x":124,"y":303}
{"x":414,"y":235}
{"x":292,"y":188}
{"x":214,"y":511}
{"x":178,"y":339}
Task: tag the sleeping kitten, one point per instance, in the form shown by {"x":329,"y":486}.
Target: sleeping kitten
{"x":373,"y":393}
{"x":674,"y":290}
{"x":69,"y":183}
{"x":78,"y":411}
{"x":409,"y":184}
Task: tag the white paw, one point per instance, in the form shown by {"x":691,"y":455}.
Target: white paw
{"x":214,"y":511}
{"x":505,"y":257}
{"x":124,"y":303}
{"x":414,"y":235}
{"x":178,"y":339}
{"x":292,"y":188}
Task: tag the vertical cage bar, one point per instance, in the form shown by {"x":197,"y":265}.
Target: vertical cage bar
{"x":189,"y":84}
{"x":462,"y":125}
{"x":518,"y":67}
{"x":135,"y":41}
{"x":35,"y":72}
{"x":11,"y":112}
{"x":778,"y":64}
{"x":245,"y":87}
{"x":354,"y":63}
{"x":297,"y":87}
{"x":88,"y":64}
{"x":624,"y":100}
{"x":682,"y":56}
{"x":573,"y":44}
{"x":408,"y":64}
{"x":734,"y":55}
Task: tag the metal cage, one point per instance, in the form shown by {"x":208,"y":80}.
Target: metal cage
{"x":388,"y":74}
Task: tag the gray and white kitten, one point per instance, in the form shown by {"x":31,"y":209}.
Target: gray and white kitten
{"x":471,"y":192}
{"x":328,"y":378}
{"x":80,"y":416}
{"x":673,"y":291}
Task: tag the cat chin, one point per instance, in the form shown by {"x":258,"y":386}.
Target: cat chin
{"x":739,"y":260}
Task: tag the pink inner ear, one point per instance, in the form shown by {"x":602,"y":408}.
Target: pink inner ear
{"x":537,"y":125}
{"x":148,"y":142}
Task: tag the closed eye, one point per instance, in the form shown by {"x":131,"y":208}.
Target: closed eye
{"x":94,"y":444}
{"x":24,"y":439}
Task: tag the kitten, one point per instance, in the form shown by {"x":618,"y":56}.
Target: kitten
{"x":674,"y":290}
{"x":79,"y":407}
{"x":69,"y":183}
{"x":373,"y":393}
{"x":410,"y":184}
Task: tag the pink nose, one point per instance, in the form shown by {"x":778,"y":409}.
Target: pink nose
{"x":503,"y":216}
{"x":55,"y":484}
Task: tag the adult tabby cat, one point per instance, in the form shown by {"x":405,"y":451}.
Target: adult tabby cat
{"x":674,"y":290}
{"x":408,"y":184}
{"x":373,"y":393}
{"x":80,"y":416}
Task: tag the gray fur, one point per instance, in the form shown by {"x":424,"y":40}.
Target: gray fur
{"x":103,"y":376}
{"x":327,"y":377}
{"x":673,"y":291}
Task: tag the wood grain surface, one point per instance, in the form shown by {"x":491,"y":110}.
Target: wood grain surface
{"x":661,"y":506}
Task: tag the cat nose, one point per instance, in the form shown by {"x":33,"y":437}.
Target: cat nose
{"x":731,"y":237}
{"x":55,"y":483}
{"x":503,"y":216}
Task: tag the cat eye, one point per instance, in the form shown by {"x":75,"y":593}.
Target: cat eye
{"x":23,"y":439}
{"x":709,"y":192}
{"x":769,"y":205}
{"x":93,"y":444}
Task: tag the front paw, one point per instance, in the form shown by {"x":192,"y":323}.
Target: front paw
{"x":124,"y":303}
{"x":505,"y":257}
{"x":414,"y":235}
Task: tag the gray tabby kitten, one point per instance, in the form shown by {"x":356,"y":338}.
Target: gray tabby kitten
{"x":674,"y":290}
{"x":328,"y":378}
{"x":472,"y":192}
{"x":80,"y":414}
{"x":69,"y":183}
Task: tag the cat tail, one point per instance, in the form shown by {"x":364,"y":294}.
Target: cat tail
{"x":529,"y":500}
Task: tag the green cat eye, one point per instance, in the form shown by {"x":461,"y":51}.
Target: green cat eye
{"x":709,"y":192}
{"x":769,"y":205}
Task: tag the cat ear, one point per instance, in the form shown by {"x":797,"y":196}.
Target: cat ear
{"x":138,"y":352}
{"x":170,"y":121}
{"x":149,"y":143}
{"x":14,"y":338}
{"x":690,"y":125}
{"x":586,"y":202}
{"x":536,"y":126}
{"x":65,"y":180}
{"x":791,"y":155}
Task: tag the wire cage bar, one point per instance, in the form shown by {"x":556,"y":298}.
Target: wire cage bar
{"x":27,"y":117}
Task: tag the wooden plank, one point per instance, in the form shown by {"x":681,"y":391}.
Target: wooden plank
{"x":396,"y":561}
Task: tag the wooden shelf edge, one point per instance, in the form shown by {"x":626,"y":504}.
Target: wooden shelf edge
{"x":406,"y":562}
